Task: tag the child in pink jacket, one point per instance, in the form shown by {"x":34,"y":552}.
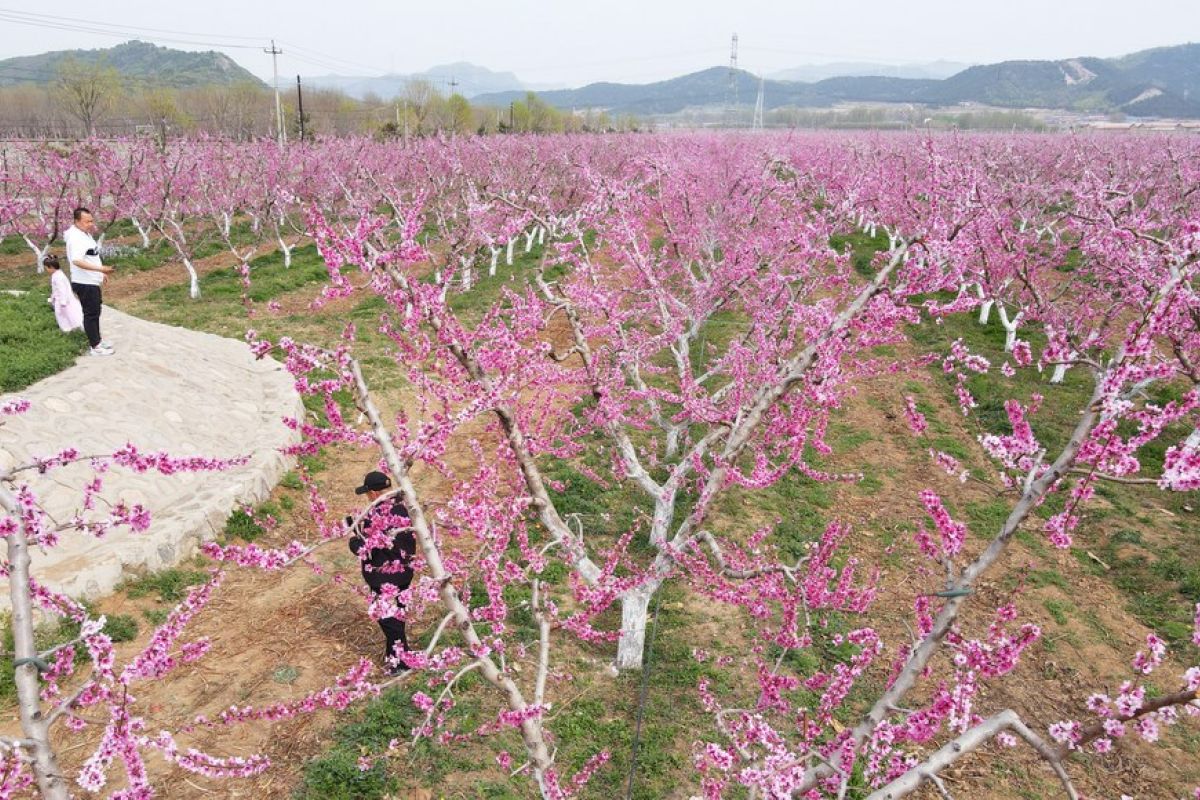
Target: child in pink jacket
{"x":67,"y":310}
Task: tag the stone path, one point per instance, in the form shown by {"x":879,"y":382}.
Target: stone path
{"x":166,"y":389}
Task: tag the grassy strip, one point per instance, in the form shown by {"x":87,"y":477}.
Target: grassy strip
{"x":269,"y":278}
{"x":31,"y":345}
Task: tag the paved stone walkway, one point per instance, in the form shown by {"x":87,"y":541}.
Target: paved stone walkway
{"x":166,"y":389}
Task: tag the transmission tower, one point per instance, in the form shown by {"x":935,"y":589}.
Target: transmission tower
{"x":731,"y":98}
{"x":757,"y":124}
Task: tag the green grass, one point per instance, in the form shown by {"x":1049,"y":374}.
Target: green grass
{"x":168,"y":585}
{"x":1058,"y":609}
{"x":31,"y":345}
{"x":140,"y":260}
{"x":486,"y":290}
{"x":222,"y":288}
{"x":862,"y":249}
{"x":14,"y":246}
{"x":600,"y":714}
{"x":120,"y":627}
{"x":248,"y":527}
{"x":291,"y":480}
{"x":155,"y":616}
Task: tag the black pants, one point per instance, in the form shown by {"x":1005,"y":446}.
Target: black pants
{"x":89,"y":300}
{"x":393,"y":631}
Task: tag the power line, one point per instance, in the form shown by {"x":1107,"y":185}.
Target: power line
{"x":329,"y":61}
{"x":67,"y":20}
{"x":9,"y":16}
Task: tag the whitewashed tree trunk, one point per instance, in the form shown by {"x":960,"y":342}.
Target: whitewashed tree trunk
{"x":35,"y":727}
{"x":508,"y":257}
{"x":985,"y":311}
{"x":144,"y":232}
{"x":226,"y":223}
{"x":178,"y":240}
{"x":193,"y":279}
{"x":466,"y":273}
{"x":635,"y":606}
{"x":1010,"y":328}
{"x":529,"y":234}
{"x":284,"y":248}
{"x":495,"y":258}
{"x":39,"y":253}
{"x":541,"y":233}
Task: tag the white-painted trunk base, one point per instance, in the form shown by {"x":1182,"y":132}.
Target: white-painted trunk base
{"x":634,"y":611}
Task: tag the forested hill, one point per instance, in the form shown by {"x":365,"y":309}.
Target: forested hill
{"x":134,"y":61}
{"x":1160,"y":82}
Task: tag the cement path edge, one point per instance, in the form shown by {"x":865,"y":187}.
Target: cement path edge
{"x":166,"y":389}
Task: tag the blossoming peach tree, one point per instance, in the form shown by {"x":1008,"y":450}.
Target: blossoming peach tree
{"x":690,"y":330}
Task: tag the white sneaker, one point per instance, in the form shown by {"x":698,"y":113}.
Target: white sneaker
{"x":106,"y":347}
{"x":99,"y":350}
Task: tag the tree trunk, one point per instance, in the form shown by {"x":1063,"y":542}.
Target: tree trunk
{"x":635,"y":605}
{"x":145,"y":232}
{"x":508,"y":258}
{"x":193,"y":278}
{"x":34,"y":726}
{"x":39,"y":253}
{"x":529,"y":234}
{"x":495,"y":258}
{"x":985,"y":311}
{"x":1010,"y":328}
{"x":286,"y":249}
{"x":1060,"y":372}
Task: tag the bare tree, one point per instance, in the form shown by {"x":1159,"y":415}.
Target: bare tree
{"x":86,"y":91}
{"x":419,"y":95}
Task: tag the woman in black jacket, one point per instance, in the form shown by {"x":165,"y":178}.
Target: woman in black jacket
{"x":391,"y":564}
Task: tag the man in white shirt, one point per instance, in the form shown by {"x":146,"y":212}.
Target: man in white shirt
{"x":87,"y":275}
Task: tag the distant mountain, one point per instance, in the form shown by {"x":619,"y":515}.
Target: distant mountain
{"x":811,"y":73}
{"x":1161,"y":82}
{"x":136,"y":61}
{"x":466,"y":79}
{"x":710,"y":87}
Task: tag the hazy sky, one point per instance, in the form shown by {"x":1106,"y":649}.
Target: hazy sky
{"x":619,"y":40}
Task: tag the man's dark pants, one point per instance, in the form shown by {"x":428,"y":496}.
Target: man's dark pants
{"x":89,"y":301}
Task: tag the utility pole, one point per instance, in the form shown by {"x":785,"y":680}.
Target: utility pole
{"x":275,"y":53}
{"x":300,"y":105}
{"x":731,"y":97}
{"x":453,"y":84}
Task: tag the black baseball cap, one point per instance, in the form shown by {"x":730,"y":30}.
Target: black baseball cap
{"x":374,"y":482}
